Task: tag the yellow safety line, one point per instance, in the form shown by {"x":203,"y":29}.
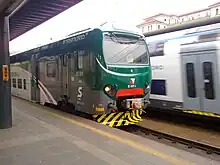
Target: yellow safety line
{"x":196,"y":112}
{"x":131,"y":143}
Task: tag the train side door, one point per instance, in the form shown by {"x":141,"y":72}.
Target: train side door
{"x":200,"y":83}
{"x":72,"y":88}
{"x":191,"y":96}
{"x":35,"y":91}
{"x":210,"y":81}
{"x":64,"y":74}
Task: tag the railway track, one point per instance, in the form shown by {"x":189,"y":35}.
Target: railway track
{"x":208,"y":123}
{"x":190,"y":142}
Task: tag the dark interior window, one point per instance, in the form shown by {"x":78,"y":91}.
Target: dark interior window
{"x":190,"y":79}
{"x":14,"y":83}
{"x":51,"y":69}
{"x":24,"y":83}
{"x":20,"y":83}
{"x":158,"y":87}
{"x":208,"y":80}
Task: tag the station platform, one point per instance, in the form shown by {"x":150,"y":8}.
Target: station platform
{"x":44,"y":136}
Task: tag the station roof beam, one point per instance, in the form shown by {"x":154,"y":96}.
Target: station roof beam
{"x":34,"y":13}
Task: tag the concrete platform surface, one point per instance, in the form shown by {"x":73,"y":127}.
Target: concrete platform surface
{"x":43,"y":136}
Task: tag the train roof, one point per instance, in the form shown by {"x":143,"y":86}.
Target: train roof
{"x":207,"y":33}
{"x":194,"y":24}
{"x":198,"y":47}
{"x":104,"y":27}
{"x":120,"y":27}
{"x":26,"y":55}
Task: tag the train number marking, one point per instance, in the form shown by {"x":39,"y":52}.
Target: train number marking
{"x":80,"y":92}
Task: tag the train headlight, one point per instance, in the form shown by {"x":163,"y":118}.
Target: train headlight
{"x":110,"y":90}
{"x":107,"y":89}
{"x":147,"y":89}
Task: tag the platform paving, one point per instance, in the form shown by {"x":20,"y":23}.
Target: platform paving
{"x":40,"y":138}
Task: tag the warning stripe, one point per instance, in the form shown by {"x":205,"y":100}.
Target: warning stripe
{"x":196,"y":112}
{"x":119,"y":119}
{"x":115,"y":119}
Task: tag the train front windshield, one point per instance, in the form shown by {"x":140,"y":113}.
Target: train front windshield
{"x":121,"y":49}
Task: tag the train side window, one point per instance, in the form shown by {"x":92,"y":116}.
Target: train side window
{"x":20,"y":83}
{"x":51,"y":69}
{"x":208,"y":80}
{"x":190,"y":78}
{"x":158,"y":87}
{"x":156,"y":49}
{"x":14,"y":83}
{"x":73,"y":62}
{"x":80,"y":59}
{"x":208,"y":37}
{"x":80,"y":62}
{"x":24,"y":84}
{"x":65,"y":58}
{"x":92,"y":61}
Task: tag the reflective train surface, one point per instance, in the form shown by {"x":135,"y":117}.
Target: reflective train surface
{"x":104,"y":72}
{"x":186,"y":70}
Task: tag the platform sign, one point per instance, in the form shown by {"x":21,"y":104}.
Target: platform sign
{"x":5,"y":74}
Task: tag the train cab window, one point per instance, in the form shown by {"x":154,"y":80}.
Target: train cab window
{"x":14,"y":83}
{"x":24,"y":84}
{"x":51,"y":69}
{"x":20,"y":83}
{"x":158,"y":87}
{"x":190,"y":78}
{"x":208,"y":80}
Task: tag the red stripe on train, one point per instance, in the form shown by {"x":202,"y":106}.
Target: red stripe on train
{"x":130,"y":92}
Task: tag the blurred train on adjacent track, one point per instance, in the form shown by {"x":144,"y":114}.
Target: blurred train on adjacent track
{"x":186,"y":69}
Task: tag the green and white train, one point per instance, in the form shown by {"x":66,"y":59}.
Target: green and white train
{"x":104,"y":72}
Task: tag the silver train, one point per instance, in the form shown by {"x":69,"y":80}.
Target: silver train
{"x":186,"y":70}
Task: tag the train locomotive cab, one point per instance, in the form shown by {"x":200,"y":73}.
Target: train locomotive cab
{"x":126,"y":73}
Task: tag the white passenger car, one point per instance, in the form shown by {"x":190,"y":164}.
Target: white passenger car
{"x":185,"y":70}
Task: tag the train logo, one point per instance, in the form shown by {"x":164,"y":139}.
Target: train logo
{"x":132,"y":81}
